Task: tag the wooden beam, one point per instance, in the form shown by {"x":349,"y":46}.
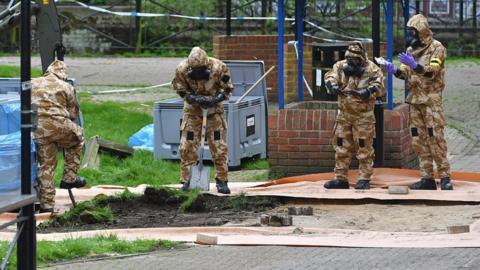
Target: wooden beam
{"x":115,"y":149}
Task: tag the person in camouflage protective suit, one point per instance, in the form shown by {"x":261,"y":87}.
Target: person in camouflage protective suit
{"x":57,"y":110}
{"x":203,"y":82}
{"x":423,"y":65}
{"x":357,"y":81}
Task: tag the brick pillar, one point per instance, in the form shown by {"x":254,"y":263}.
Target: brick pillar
{"x":264,"y":47}
{"x":300,"y":139}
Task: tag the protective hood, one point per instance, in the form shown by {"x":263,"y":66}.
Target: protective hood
{"x":355,"y":67}
{"x":197,"y":58}
{"x":420,"y":23}
{"x":58,"y":68}
{"x":356,"y":49}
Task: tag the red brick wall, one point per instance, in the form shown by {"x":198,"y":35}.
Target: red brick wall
{"x":397,"y":140}
{"x":300,"y":139}
{"x":264,"y":47}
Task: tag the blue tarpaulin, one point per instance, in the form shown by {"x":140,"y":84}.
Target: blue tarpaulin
{"x":143,"y":139}
{"x":10,"y":161}
{"x":9,"y":118}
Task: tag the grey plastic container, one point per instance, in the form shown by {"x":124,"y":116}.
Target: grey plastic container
{"x":247,"y":120}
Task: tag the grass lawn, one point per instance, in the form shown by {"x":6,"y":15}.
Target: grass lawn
{"x":455,"y":60}
{"x":49,"y":252}
{"x":14,"y":71}
{"x":117,"y":121}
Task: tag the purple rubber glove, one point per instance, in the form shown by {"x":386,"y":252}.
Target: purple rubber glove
{"x":390,"y":68}
{"x":407,"y":59}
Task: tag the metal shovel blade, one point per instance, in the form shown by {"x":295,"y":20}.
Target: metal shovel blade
{"x":200,"y":177}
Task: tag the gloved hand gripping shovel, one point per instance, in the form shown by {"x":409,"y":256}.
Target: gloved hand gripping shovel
{"x":200,"y":175}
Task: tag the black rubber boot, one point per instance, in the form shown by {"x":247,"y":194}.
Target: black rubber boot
{"x":446,"y":184}
{"x":79,"y":182}
{"x":363,"y":184}
{"x":424,"y":184}
{"x":46,"y":210}
{"x":185,"y":186}
{"x":222,"y":187}
{"x":336,"y":184}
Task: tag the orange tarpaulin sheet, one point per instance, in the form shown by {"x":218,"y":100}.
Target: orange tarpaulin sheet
{"x":285,"y":236}
{"x":382,"y":177}
{"x":466,"y":187}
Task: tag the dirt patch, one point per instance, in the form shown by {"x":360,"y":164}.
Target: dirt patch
{"x":163,"y":208}
{"x":171,"y":208}
{"x":391,"y":217}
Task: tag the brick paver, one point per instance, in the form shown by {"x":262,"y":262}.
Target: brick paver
{"x":274,"y":257}
{"x":463,"y":151}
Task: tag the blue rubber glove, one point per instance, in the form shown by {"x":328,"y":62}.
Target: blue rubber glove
{"x":390,"y":68}
{"x":407,"y":59}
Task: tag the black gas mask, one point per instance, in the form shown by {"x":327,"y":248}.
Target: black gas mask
{"x":412,"y":39}
{"x":354,"y":67}
{"x":199,"y":73}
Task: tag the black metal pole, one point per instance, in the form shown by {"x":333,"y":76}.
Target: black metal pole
{"x":417,"y":6}
{"x":229,"y":17}
{"x":461,"y":19}
{"x":378,"y":142}
{"x":26,"y":249}
{"x":138,"y":9}
{"x":474,"y":21}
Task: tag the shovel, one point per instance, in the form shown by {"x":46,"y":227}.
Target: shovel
{"x":200,"y":175}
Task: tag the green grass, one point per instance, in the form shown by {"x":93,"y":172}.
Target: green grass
{"x":85,"y":212}
{"x":14,"y":72}
{"x":188,"y":205}
{"x":255,"y":164}
{"x":89,"y":212}
{"x":113,"y":121}
{"x":117,"y":122}
{"x":455,"y":60}
{"x":49,"y":252}
{"x":142,"y":168}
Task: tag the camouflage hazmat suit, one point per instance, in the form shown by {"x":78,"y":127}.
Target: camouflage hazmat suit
{"x":425,"y":85}
{"x":57,"y":110}
{"x":217,"y":82}
{"x":355,"y":124}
